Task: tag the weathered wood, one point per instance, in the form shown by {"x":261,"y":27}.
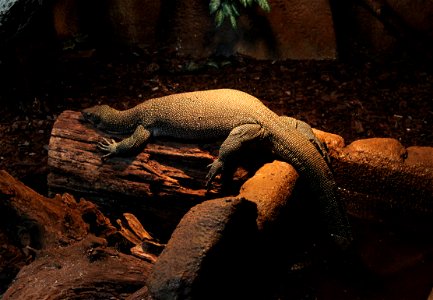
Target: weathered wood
{"x":159,"y":184}
{"x":73,"y":152}
{"x":84,"y":270}
{"x":46,"y":222}
{"x":66,"y":259}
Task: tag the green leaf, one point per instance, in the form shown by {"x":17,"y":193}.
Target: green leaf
{"x":212,"y":64}
{"x":219,"y":17}
{"x":235,"y":10}
{"x":227,"y":9}
{"x":244,"y":2}
{"x":214,"y":5}
{"x":233,"y":21}
{"x":264,"y":5}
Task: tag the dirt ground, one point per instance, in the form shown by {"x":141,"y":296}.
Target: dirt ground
{"x":357,"y":98}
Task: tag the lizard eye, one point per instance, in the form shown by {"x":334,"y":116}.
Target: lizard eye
{"x":90,"y":117}
{"x":86,"y":115}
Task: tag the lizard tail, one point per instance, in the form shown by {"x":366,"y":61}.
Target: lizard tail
{"x":295,"y":149}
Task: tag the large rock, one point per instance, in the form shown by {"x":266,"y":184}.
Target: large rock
{"x":209,"y":255}
{"x":383,"y":25}
{"x":417,"y":14}
{"x":270,"y":189}
{"x":383,"y":180}
{"x":387,"y":149}
{"x":66,"y":18}
{"x":417,"y":155}
{"x":134,"y":22}
{"x":294,"y":29}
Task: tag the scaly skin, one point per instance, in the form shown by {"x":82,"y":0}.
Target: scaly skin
{"x":241,"y":118}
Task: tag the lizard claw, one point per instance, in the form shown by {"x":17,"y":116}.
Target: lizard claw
{"x":109,"y":146}
{"x":215,"y":169}
{"x":106,"y":156}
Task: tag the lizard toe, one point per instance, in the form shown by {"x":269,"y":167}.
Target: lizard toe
{"x":215,"y":169}
{"x":109,"y":146}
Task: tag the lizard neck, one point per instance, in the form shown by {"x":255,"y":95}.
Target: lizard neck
{"x":117,"y":121}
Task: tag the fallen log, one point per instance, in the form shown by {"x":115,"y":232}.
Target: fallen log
{"x":73,"y":153}
{"x":159,"y":185}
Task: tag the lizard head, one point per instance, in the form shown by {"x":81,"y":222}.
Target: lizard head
{"x":108,"y":119}
{"x":95,"y":115}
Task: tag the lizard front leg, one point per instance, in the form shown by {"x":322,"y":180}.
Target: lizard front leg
{"x":126,"y":146}
{"x":306,"y":130}
{"x":238,"y":136}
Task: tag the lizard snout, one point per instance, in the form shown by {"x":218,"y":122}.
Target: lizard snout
{"x":90,"y":116}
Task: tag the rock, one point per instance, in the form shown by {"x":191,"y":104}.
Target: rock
{"x":292,"y":29}
{"x":189,"y":266}
{"x":420,"y":156}
{"x":382,"y":148}
{"x":371,"y":31}
{"x":188,"y":28}
{"x":135,"y":22}
{"x":416,"y":14}
{"x":384,"y":25}
{"x":209,"y":255}
{"x":430,"y":297}
{"x":295,"y":29}
{"x":270,"y":188}
{"x":377,"y":182}
{"x":66,"y":19}
{"x":332,"y":141}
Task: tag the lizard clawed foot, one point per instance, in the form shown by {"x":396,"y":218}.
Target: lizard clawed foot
{"x":215,"y":169}
{"x":109,"y":146}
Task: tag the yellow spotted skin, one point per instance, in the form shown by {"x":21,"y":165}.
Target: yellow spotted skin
{"x":237,"y":116}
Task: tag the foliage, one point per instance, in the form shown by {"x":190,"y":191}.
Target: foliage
{"x":230,"y":9}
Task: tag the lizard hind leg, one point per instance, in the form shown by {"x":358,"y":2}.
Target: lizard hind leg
{"x":232,"y":144}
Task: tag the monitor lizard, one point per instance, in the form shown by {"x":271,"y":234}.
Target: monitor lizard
{"x":239,"y":117}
